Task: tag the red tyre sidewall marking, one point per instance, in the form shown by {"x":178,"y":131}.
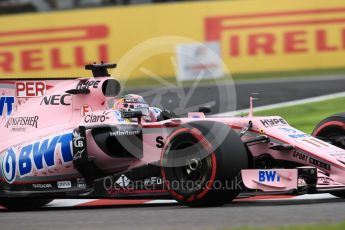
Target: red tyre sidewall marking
{"x":328,"y":124}
{"x":201,"y":139}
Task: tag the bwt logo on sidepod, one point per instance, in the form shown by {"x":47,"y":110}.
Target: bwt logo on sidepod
{"x":39,"y":155}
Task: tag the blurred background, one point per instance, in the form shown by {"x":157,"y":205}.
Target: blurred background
{"x":183,"y":54}
{"x":170,"y":45}
{"x":254,"y":39}
{"x":180,"y":55}
{"x":21,"y":6}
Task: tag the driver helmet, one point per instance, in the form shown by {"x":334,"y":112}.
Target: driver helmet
{"x":133,"y":102}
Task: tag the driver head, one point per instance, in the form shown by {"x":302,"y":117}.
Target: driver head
{"x":133,"y":102}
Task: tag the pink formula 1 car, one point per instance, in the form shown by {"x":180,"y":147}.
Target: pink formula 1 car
{"x":64,"y":139}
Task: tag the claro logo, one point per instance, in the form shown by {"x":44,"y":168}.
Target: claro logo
{"x":51,"y":48}
{"x":276,"y":33}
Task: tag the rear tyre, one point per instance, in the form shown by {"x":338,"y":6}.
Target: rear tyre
{"x":201,"y":162}
{"x":332,"y":129}
{"x":24,"y":203}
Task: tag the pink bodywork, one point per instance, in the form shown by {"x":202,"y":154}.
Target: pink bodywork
{"x":59,"y":119}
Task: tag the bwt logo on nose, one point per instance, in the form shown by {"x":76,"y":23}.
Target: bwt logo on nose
{"x":268,"y":176}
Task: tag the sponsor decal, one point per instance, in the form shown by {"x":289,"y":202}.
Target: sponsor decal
{"x":64,"y":184}
{"x":78,"y":144}
{"x":87,"y":84}
{"x":153,"y":181}
{"x":79,"y":154}
{"x":78,"y":140}
{"x":38,"y":156}
{"x":309,"y":159}
{"x":268,"y":176}
{"x":65,"y":49}
{"x":118,"y":116}
{"x":131,"y":100}
{"x":92,"y":118}
{"x":120,"y":191}
{"x":288,"y":130}
{"x":125,"y":133}
{"x":273,"y":122}
{"x":299,"y":135}
{"x":64,"y":99}
{"x":6,"y":105}
{"x":22,"y":121}
{"x":313,"y":33}
{"x":123,"y":181}
{"x":42,"y":186}
{"x":28,"y":89}
{"x":81,"y":183}
{"x":313,"y":142}
{"x":85,"y":109}
{"x":294,"y":133}
{"x":159,"y":142}
{"x":340,"y":155}
{"x":325,"y":181}
{"x":9,"y":166}
{"x":157,"y":111}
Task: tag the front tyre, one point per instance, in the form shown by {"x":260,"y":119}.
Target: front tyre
{"x":21,"y":203}
{"x":332,"y":129}
{"x":201,"y":162}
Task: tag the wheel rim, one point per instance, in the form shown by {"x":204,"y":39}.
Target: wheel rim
{"x":192,"y":177}
{"x":334,"y":134}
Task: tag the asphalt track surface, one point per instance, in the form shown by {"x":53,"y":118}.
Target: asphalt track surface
{"x":172,"y":216}
{"x":269,"y":92}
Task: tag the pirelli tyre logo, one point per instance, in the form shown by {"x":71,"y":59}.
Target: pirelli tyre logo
{"x":55,"y":48}
{"x":279,"y":32}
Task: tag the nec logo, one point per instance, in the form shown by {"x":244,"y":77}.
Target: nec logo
{"x":30,"y":88}
{"x":268,"y":176}
{"x":65,"y":99}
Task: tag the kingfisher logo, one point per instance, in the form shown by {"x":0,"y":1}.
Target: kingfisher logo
{"x":276,"y":33}
{"x":51,"y":48}
{"x":38,"y":156}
